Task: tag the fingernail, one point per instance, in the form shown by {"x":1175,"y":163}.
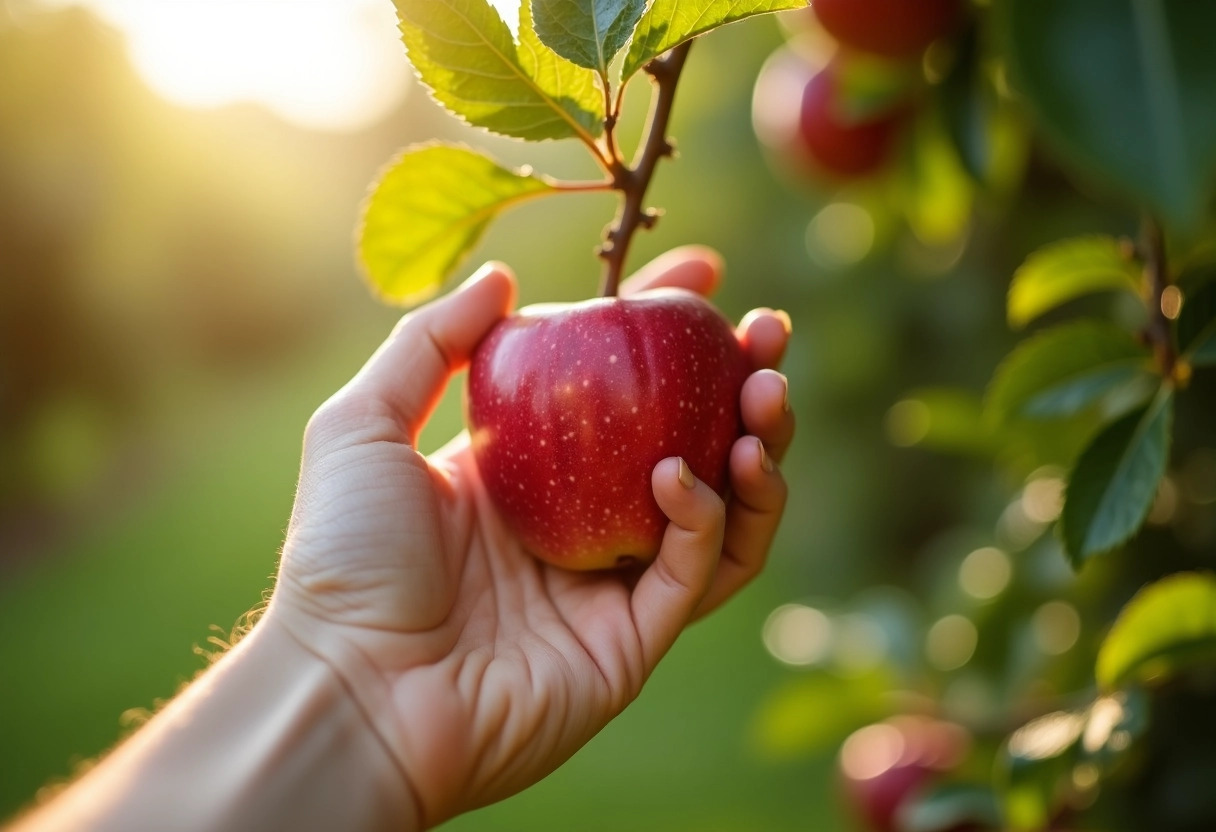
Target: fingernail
{"x":785,"y":394}
{"x":784,"y":317}
{"x":686,"y":478}
{"x":766,"y":462}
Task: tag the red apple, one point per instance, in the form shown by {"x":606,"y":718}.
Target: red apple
{"x":883,"y":765}
{"x":798,"y":111}
{"x":893,"y":28}
{"x":570,"y":406}
{"x":844,"y":148}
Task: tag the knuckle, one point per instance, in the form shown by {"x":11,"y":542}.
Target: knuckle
{"x":346,"y":416}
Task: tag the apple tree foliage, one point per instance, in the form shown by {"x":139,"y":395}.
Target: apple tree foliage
{"x":1119,"y":95}
{"x":557,"y":77}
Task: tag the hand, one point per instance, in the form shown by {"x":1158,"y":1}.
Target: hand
{"x":479,"y":668}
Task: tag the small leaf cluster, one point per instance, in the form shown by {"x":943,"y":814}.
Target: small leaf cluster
{"x":557,"y":77}
{"x":1128,"y":379}
{"x":1090,"y":412}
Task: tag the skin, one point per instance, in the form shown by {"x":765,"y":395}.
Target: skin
{"x":414,"y":662}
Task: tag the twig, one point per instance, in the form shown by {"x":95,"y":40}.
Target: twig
{"x":1157,"y":278}
{"x":633,"y":181}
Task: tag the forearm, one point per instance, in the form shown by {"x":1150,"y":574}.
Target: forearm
{"x":267,"y":739}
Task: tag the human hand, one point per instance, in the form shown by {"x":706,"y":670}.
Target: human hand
{"x":479,"y":668}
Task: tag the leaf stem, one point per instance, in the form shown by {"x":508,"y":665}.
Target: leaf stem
{"x":633,"y":181}
{"x":612,"y":114}
{"x":577,"y":186}
{"x":1157,"y":279}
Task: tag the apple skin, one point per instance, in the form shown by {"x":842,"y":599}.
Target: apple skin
{"x":884,"y":765}
{"x":842,"y":149}
{"x":891,"y":28}
{"x":570,"y":407}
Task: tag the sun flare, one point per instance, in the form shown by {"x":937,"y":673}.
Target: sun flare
{"x":321,"y":64}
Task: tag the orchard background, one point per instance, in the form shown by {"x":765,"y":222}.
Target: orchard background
{"x":178,"y":184}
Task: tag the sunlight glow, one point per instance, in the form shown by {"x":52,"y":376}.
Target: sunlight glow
{"x":321,"y":64}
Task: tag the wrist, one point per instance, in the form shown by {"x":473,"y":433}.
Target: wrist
{"x":326,"y":698}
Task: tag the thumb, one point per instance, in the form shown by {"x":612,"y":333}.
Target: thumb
{"x":411,"y":368}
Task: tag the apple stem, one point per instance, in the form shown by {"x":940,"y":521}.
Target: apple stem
{"x":633,"y":181}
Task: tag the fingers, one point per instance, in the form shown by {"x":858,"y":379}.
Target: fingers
{"x":696,"y":268}
{"x":764,"y":334}
{"x":757,"y":501}
{"x":409,"y":371}
{"x":758,"y":491}
{"x":766,"y":411}
{"x":671,"y":588}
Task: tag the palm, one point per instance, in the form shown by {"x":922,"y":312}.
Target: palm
{"x":546,"y":656}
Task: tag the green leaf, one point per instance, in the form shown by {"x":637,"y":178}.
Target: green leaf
{"x":990,"y":140}
{"x":815,"y":712}
{"x":557,"y":78}
{"x":1168,"y":625}
{"x":1065,"y":270}
{"x":1061,"y":371}
{"x":464,"y":53}
{"x":1123,"y":89}
{"x":668,"y":23}
{"x":966,"y":102}
{"x":587,"y":32}
{"x":952,"y":806}
{"x":942,"y":419}
{"x":429,"y":208}
{"x":1197,"y":326}
{"x":1115,"y":481}
{"x":937,"y":193}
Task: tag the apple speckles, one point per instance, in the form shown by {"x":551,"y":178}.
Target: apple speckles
{"x":555,"y":421}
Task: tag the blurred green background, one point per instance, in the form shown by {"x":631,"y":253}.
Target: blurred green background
{"x":177,"y":294}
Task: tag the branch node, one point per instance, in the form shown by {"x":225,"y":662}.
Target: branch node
{"x":633,"y":181}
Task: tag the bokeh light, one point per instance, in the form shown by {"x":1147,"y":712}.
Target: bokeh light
{"x":1057,"y":626}
{"x":1043,"y":496}
{"x":985,"y":573}
{"x":871,"y":751}
{"x":1171,"y":302}
{"x":797,"y":634}
{"x":1165,"y":504}
{"x":950,"y":642}
{"x":1046,"y":736}
{"x":840,"y":235}
{"x":908,"y":422}
{"x":1016,"y":529}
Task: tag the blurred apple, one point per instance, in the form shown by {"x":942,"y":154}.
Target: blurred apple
{"x":802,"y":114}
{"x":893,"y":28}
{"x":571,"y":406}
{"x":883,"y":765}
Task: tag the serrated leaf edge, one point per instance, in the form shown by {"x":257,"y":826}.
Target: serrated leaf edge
{"x":512,"y":63}
{"x":365,"y":204}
